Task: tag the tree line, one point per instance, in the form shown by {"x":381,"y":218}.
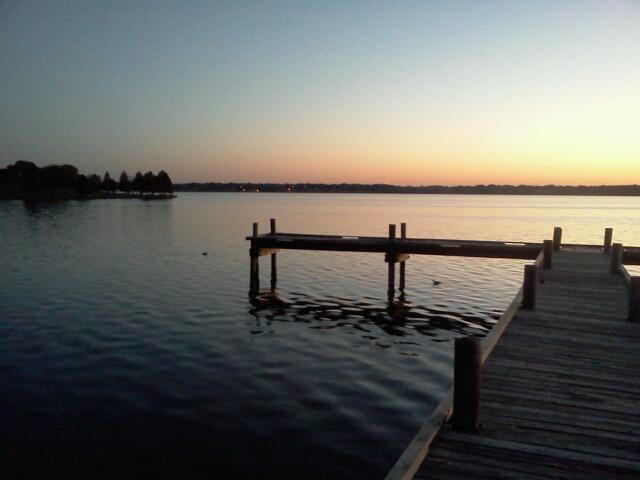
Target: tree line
{"x":27,"y":180}
{"x":147,"y":183}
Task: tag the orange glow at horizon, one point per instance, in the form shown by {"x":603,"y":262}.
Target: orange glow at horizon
{"x":571,"y":139}
{"x":534,"y":155}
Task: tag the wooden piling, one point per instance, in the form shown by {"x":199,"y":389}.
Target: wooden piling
{"x":529,"y":287}
{"x":547,"y":249}
{"x":254,"y":268}
{"x":254,"y":282}
{"x":391,"y":265}
{"x":403,"y":268}
{"x":608,"y":237}
{"x":634,"y":299}
{"x":467,"y":376}
{"x":274,"y":267}
{"x":616,"y":257}
{"x":557,"y":238}
{"x":392,"y":232}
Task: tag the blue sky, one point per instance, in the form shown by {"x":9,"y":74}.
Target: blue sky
{"x":406,"y":92}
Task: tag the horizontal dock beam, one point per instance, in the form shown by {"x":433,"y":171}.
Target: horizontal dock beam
{"x":418,"y":246}
{"x":397,"y":250}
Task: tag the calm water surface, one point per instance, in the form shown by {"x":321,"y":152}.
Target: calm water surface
{"x":120,"y":343}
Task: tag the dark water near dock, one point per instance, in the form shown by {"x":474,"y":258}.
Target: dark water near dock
{"x":121,"y":343}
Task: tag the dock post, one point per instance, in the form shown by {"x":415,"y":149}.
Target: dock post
{"x":547,"y":248}
{"x":274,"y":268}
{"x":403,"y":236}
{"x":557,"y":238}
{"x":467,"y":375}
{"x":529,"y":287}
{"x":254,"y":282}
{"x":608,"y":237}
{"x":616,"y":257}
{"x":391,"y":265}
{"x":634,"y":300}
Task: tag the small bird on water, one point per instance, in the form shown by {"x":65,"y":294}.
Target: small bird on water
{"x":436,"y":282}
{"x":204,"y":253}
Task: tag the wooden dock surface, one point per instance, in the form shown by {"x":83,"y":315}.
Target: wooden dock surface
{"x":560,"y":393}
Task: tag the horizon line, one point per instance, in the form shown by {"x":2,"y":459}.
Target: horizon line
{"x":434,"y":185}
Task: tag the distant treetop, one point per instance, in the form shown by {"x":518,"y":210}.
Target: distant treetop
{"x":26,"y":180}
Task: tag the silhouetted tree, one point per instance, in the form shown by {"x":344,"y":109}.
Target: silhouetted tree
{"x":163,"y":182}
{"x":124,"y":185}
{"x":138,"y":183}
{"x":27,"y":174}
{"x":58,"y":177}
{"x":108,"y":183}
{"x":149,"y":182}
{"x":49,"y":176}
{"x":68,"y":174}
{"x":81,"y":184}
{"x":94,"y":183}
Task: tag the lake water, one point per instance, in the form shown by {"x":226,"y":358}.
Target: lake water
{"x":122,"y":344}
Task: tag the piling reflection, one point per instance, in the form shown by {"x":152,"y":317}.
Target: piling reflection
{"x":400,"y":318}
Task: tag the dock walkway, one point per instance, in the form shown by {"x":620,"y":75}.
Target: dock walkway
{"x":560,"y":393}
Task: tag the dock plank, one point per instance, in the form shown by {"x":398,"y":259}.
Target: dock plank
{"x":560,"y":396}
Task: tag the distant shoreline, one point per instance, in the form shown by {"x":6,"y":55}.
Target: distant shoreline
{"x":63,"y":196}
{"x":577,"y":190}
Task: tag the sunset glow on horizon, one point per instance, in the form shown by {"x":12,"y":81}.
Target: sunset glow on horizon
{"x":420,"y":93}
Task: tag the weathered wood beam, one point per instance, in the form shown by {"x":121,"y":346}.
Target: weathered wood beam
{"x":254,"y":265}
{"x":616,"y":257}
{"x":634,"y":299}
{"x":391,"y":286}
{"x":547,"y":248}
{"x":467,"y":376}
{"x":403,"y":259}
{"x":254,"y":277}
{"x":557,"y":238}
{"x":529,"y":287}
{"x":460,"y":248}
{"x":274,"y":266}
{"x":631,"y":256}
{"x":608,"y":237}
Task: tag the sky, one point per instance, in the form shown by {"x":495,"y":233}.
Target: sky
{"x":414,"y":93}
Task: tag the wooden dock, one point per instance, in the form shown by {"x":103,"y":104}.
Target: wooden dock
{"x":397,"y":250}
{"x":553,"y":391}
{"x":559,"y":397}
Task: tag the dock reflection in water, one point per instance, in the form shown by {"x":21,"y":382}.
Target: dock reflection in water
{"x":373,"y":320}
